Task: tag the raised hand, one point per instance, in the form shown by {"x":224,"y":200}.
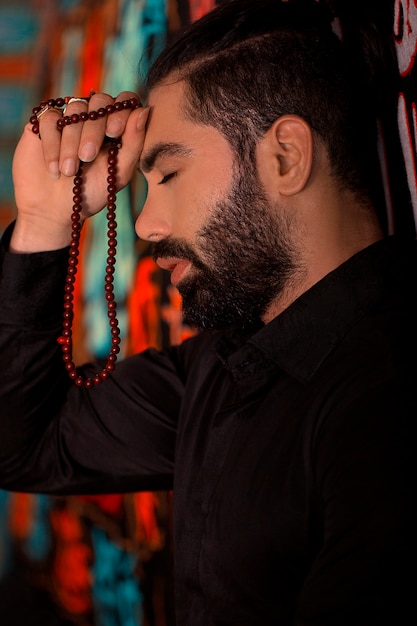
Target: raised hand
{"x":44,"y":166}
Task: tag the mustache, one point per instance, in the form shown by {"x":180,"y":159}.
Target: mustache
{"x":176,"y":248}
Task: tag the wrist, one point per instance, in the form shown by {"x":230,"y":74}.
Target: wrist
{"x":39,"y":235}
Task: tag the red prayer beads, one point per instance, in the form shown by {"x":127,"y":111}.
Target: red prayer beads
{"x":65,"y":340}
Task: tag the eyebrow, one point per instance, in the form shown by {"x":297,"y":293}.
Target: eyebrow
{"x":160,"y":150}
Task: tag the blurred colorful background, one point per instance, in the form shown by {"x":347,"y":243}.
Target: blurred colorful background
{"x":99,"y":560}
{"x":107,"y":560}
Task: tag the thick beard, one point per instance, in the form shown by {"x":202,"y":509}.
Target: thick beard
{"x":248,"y":259}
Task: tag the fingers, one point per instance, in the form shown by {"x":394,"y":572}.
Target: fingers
{"x":82,"y":139}
{"x":69,"y":162}
{"x":116,"y":122}
{"x":93,"y":132}
{"x":132,"y":144}
{"x":51,"y":141}
{"x":112,"y":125}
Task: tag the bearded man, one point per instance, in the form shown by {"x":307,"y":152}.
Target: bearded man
{"x":283,"y":426}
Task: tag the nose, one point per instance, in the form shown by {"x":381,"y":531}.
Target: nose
{"x":151,"y":225}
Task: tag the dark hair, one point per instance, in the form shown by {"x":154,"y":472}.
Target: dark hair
{"x":248,"y":62}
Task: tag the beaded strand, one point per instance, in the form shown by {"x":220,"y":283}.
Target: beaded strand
{"x":65,"y":340}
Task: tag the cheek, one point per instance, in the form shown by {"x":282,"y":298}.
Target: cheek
{"x":197,"y":192}
{"x":193,"y":209}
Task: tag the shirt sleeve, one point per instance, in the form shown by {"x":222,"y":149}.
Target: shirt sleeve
{"x":56,"y":437}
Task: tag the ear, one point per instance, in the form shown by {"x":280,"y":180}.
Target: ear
{"x":286,"y":155}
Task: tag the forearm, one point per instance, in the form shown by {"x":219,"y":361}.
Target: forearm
{"x":31,"y":293}
{"x":56,"y":437}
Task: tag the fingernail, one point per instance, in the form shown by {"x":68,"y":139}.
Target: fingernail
{"x":114,"y":128}
{"x":53,"y":168}
{"x":88,"y":152}
{"x":68,"y":167}
{"x":142,"y":118}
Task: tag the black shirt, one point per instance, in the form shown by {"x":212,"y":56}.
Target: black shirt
{"x":289,"y":450}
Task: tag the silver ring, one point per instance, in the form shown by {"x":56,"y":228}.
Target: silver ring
{"x":46,"y":108}
{"x":71,"y":100}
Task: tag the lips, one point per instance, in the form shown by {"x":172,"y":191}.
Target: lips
{"x":177,"y":267}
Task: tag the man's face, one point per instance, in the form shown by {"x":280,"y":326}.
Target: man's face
{"x":227,"y":248}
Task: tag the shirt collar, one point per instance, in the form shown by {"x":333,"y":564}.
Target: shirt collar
{"x":299,"y":339}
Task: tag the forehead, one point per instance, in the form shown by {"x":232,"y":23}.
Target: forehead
{"x":166,"y":115}
{"x":168,"y":122}
{"x":166,"y":101}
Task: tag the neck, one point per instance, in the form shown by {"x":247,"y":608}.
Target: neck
{"x":324,"y":244}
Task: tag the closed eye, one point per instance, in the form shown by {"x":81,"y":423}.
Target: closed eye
{"x":166,"y":178}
